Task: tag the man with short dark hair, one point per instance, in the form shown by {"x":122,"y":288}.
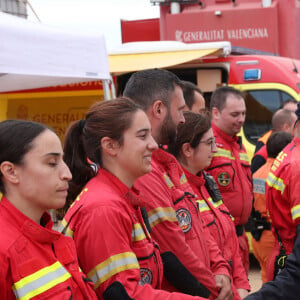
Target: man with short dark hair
{"x":230,"y":164}
{"x":193,"y":97}
{"x":193,"y":263}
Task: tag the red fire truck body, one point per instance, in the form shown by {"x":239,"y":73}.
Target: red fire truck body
{"x":271,"y":26}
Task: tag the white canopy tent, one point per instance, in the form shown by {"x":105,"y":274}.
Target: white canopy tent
{"x":35,"y":55}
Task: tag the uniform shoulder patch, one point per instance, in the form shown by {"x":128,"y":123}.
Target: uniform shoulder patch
{"x":224,"y":179}
{"x":146,"y":276}
{"x":184,"y":219}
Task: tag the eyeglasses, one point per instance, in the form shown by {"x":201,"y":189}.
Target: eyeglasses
{"x":209,"y":142}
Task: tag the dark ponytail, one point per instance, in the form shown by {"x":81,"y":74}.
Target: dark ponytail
{"x":83,"y":140}
{"x":76,"y":159}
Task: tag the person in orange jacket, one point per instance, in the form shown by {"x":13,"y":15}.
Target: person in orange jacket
{"x":263,"y":238}
{"x":107,"y":220}
{"x":230,"y":164}
{"x":282,"y":190}
{"x":36,"y":261}
{"x":194,"y":149}
{"x":192,"y":261}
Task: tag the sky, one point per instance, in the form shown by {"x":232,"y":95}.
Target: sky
{"x":95,"y":16}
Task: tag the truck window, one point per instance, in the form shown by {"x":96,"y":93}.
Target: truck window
{"x":261,"y":104}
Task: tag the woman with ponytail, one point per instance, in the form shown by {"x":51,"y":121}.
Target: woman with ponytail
{"x":107,"y":220}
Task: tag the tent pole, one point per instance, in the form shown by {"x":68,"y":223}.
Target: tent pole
{"x":106,"y":89}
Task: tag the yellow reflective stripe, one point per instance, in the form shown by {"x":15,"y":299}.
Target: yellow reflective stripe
{"x":183,"y":179}
{"x":1,"y":195}
{"x":202,"y":206}
{"x":215,"y":204}
{"x":275,"y":182}
{"x":161,"y":214}
{"x":40,"y":281}
{"x":244,"y":157}
{"x":295,"y":212}
{"x":68,"y":231}
{"x":137,"y":233}
{"x":168,"y":181}
{"x":78,"y":197}
{"x":113,"y":265}
{"x":223,"y":153}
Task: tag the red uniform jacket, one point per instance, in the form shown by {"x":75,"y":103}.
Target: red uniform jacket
{"x":283,"y":190}
{"x":176,"y":222}
{"x":218,"y":220}
{"x":231,"y":170}
{"x":37,"y":262}
{"x":112,"y":241}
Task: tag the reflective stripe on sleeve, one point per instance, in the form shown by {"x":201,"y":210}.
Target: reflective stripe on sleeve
{"x":244,"y":157}
{"x":137,"y":233}
{"x":202,"y":205}
{"x":295,"y":211}
{"x":113,"y":265}
{"x":223,"y":153}
{"x":161,"y":214}
{"x":40,"y":281}
{"x":275,"y":182}
{"x":215,"y":204}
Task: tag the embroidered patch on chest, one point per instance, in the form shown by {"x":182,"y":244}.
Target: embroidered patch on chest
{"x":184,"y":219}
{"x":224,"y":179}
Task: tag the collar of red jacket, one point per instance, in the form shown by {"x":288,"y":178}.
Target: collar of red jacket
{"x":297,"y":141}
{"x":197,"y":180}
{"x":166,"y":162}
{"x":27,"y":226}
{"x":163,"y":157}
{"x":131,"y":194}
{"x":222,"y":134}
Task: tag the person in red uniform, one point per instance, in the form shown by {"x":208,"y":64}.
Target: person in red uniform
{"x":192,"y":261}
{"x":106,"y":220}
{"x":230,"y":164}
{"x":194,"y":149}
{"x":282,"y":120}
{"x":36,"y":261}
{"x":283,"y":198}
{"x":263,"y":238}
